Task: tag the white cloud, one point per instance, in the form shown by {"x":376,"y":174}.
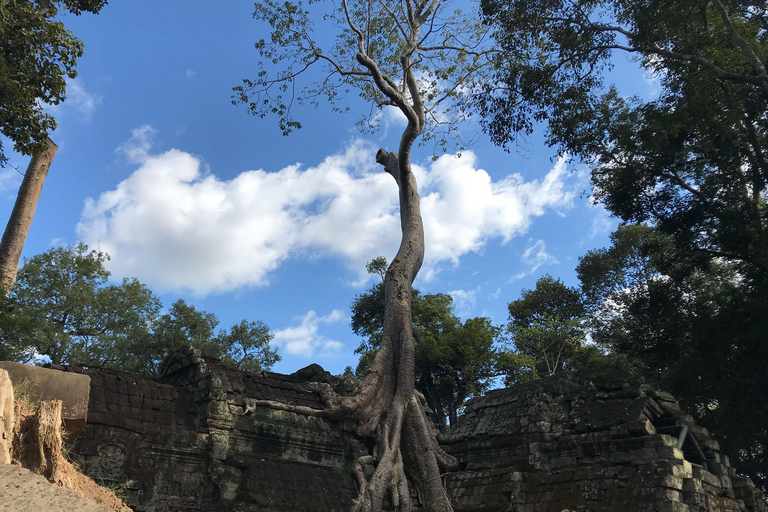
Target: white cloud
{"x":602,"y":222}
{"x":78,"y":99}
{"x":466,"y":208}
{"x":190,"y":74}
{"x":464,"y":300}
{"x":535,"y":256}
{"x":303,"y":339}
{"x":176,"y":227}
{"x":136,"y":149}
{"x":392,"y":117}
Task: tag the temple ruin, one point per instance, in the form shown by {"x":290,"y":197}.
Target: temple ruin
{"x":194,"y":441}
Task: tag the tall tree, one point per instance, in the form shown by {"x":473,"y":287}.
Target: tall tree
{"x":699,"y":333}
{"x":692,"y":162}
{"x":418,"y":56}
{"x":546,"y":325}
{"x":63,"y":309}
{"x":37,"y":54}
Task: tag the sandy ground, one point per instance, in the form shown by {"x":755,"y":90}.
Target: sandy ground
{"x":22,"y":491}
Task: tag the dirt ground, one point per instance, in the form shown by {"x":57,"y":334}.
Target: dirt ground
{"x":38,"y":446}
{"x":22,"y":491}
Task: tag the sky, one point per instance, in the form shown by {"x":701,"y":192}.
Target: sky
{"x":202,"y":201}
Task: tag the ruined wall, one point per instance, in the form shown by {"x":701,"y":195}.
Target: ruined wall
{"x":191,"y":441}
{"x":552,"y":446}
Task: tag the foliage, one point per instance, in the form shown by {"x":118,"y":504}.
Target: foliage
{"x":592,"y":363}
{"x":244,"y":346}
{"x":516,"y":367}
{"x":692,"y":161}
{"x":548,"y":326}
{"x":455,"y":360}
{"x":696,"y":330}
{"x":452,"y":51}
{"x":545,"y":324}
{"x":63,"y":308}
{"x":37,"y":54}
{"x":624,"y":276}
{"x":457,"y":363}
{"x":680,"y":287}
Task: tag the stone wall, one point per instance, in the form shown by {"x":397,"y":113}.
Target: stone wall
{"x":69,"y":387}
{"x":192,"y":441}
{"x":552,"y":446}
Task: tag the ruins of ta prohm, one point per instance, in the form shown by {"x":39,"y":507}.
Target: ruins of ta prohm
{"x":194,"y":441}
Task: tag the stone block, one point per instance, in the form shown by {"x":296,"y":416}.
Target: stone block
{"x":73,"y":389}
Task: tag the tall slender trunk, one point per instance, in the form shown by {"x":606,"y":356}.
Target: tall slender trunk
{"x":15,"y":233}
{"x":387,"y":407}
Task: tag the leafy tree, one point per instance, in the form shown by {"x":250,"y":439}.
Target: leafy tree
{"x":550,"y":340}
{"x":245,"y":346}
{"x":63,"y":308}
{"x":458,"y":364}
{"x":516,"y":367}
{"x":627,"y":285}
{"x":698,"y":331}
{"x":548,"y":326}
{"x":37,"y":54}
{"x":454,"y":360}
{"x":692,"y":161}
{"x":545,"y":324}
{"x":593,"y":363}
{"x":682,"y":297}
{"x":420,"y":57}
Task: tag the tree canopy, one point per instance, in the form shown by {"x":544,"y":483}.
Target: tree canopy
{"x":545,"y":324}
{"x":63,"y":309}
{"x":691,"y":161}
{"x":697,"y":333}
{"x":37,"y":55}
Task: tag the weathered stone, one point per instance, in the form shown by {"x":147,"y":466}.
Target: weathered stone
{"x":195,"y":440}
{"x":73,"y":389}
{"x":6,"y":417}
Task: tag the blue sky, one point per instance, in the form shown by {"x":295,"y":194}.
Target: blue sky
{"x":202,"y":201}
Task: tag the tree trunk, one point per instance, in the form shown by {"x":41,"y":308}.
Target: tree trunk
{"x":406,"y":441}
{"x":21,"y":217}
{"x":387,"y":407}
{"x":427,"y":388}
{"x":453,"y":413}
